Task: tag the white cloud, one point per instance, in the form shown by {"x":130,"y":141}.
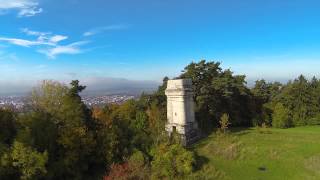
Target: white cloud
{"x":25,"y":8}
{"x":34,"y":33}
{"x":57,"y":38}
{"x":24,"y":42}
{"x":88,"y":33}
{"x":43,"y":38}
{"x":29,"y":12}
{"x":46,"y":43}
{"x":105,"y":28}
{"x":68,"y":49}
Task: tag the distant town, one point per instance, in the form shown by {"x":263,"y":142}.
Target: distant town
{"x":18,"y":102}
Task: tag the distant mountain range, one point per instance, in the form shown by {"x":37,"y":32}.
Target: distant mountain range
{"x":95,"y":86}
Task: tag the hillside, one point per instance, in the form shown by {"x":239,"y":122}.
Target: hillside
{"x":261,"y":154}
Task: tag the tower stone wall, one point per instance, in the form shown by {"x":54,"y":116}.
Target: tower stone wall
{"x":180,"y":110}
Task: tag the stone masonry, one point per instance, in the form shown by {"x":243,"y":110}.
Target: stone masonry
{"x":180,"y":110}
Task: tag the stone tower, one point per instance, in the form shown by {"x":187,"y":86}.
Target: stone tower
{"x":180,"y":110}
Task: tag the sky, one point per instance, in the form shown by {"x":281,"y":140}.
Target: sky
{"x":145,"y":40}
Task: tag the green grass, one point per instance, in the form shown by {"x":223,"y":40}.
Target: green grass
{"x":254,"y":154}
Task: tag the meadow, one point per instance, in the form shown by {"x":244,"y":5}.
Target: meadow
{"x":260,"y":153}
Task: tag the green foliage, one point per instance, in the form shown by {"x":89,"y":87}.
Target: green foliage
{"x":139,"y":166}
{"x":8,"y":126}
{"x":60,"y":124}
{"x":315,"y":120}
{"x":302,"y":99}
{"x":58,"y":137}
{"x":263,"y":94}
{"x":263,"y":129}
{"x":280,"y":117}
{"x":113,"y":135}
{"x":27,"y":161}
{"x":134,"y":168}
{"x":38,"y":130}
{"x":157,"y":120}
{"x":48,"y":97}
{"x":218,"y":91}
{"x":171,"y":161}
{"x":224,"y":123}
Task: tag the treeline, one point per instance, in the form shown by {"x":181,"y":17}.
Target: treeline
{"x":219,"y":91}
{"x":58,"y":137}
{"x":296,"y":103}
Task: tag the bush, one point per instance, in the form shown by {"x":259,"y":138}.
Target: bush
{"x":315,"y":120}
{"x":224,"y":123}
{"x":226,"y":146}
{"x":25,"y":160}
{"x":134,"y":168}
{"x":263,"y":129}
{"x":280,"y":117}
{"x":171,"y":161}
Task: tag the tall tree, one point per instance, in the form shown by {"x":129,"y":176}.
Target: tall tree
{"x":218,"y":91}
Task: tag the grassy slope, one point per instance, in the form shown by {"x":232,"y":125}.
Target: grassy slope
{"x":280,"y":154}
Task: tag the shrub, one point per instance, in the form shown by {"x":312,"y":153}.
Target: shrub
{"x":134,"y":168}
{"x":224,"y":123}
{"x":315,"y":120}
{"x":171,"y":161}
{"x":226,"y":146}
{"x":27,"y":161}
{"x":263,"y":129}
{"x":280,"y":117}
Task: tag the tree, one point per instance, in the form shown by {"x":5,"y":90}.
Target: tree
{"x":301,"y":99}
{"x":71,"y":141}
{"x":263,"y":94}
{"x":27,"y":161}
{"x":171,"y":161}
{"x":218,"y":91}
{"x":156,"y":120}
{"x":8,"y":126}
{"x":224,"y":122}
{"x":280,"y":117}
{"x":134,"y":168}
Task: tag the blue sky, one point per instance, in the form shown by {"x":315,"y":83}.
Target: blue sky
{"x":150,"y":39}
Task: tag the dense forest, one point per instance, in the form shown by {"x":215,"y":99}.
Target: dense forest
{"x":57,"y":137}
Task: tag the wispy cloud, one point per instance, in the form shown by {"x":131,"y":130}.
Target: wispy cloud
{"x":24,"y":42}
{"x":45,"y":36}
{"x":57,"y":38}
{"x":46,"y":43}
{"x":73,"y":48}
{"x":25,"y":8}
{"x":34,"y":33}
{"x":98,"y":30}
